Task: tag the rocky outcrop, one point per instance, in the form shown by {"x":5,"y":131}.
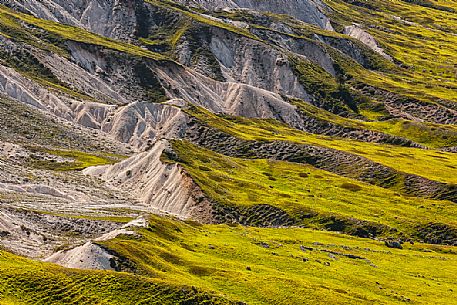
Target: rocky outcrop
{"x":225,"y":97}
{"x":111,"y":18}
{"x":310,"y":11}
{"x":117,"y":111}
{"x":120,"y":84}
{"x":94,"y":256}
{"x":437,"y":233}
{"x":36,"y":234}
{"x":242,"y":60}
{"x":87,"y":256}
{"x":139,"y":124}
{"x":310,"y":49}
{"x":163,"y":187}
{"x":358,"y":33}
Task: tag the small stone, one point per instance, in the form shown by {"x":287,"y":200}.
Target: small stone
{"x":303,"y":248}
{"x":265,"y":245}
{"x":393,"y":244}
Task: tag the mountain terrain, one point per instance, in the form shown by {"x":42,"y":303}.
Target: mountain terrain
{"x":228,"y":152}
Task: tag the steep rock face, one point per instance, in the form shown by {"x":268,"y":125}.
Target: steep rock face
{"x":311,"y":50}
{"x":129,"y":76}
{"x":255,"y":98}
{"x":358,"y":33}
{"x":111,"y":18}
{"x":165,"y":188}
{"x":26,"y":91}
{"x":310,"y":11}
{"x":120,"y":84}
{"x":243,"y":61}
{"x":117,"y":111}
{"x":139,"y":124}
{"x":226,"y":97}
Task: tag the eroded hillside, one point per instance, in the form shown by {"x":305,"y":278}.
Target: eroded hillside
{"x":198,"y":151}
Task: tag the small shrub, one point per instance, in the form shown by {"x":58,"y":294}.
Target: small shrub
{"x":351,"y":187}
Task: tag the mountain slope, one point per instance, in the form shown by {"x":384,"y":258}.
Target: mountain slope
{"x":248,"y":127}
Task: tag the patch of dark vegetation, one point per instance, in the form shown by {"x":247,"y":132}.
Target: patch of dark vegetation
{"x":25,"y":62}
{"x":149,"y":82}
{"x":205,"y":168}
{"x":198,"y":40}
{"x":431,"y":4}
{"x":334,"y":93}
{"x":170,"y":257}
{"x":361,"y":3}
{"x":202,"y":271}
{"x":143,"y":20}
{"x":351,"y":187}
{"x":355,"y":227}
{"x":204,"y":59}
{"x":321,"y":85}
{"x":257,"y":215}
{"x":437,"y":233}
{"x":118,"y":262}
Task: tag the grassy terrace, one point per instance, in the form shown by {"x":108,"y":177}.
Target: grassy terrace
{"x":77,"y":160}
{"x":23,"y":281}
{"x":428,"y":134}
{"x":432,"y":164}
{"x":423,"y":39}
{"x":299,"y":189}
{"x":267,"y":266}
{"x":257,"y":266}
